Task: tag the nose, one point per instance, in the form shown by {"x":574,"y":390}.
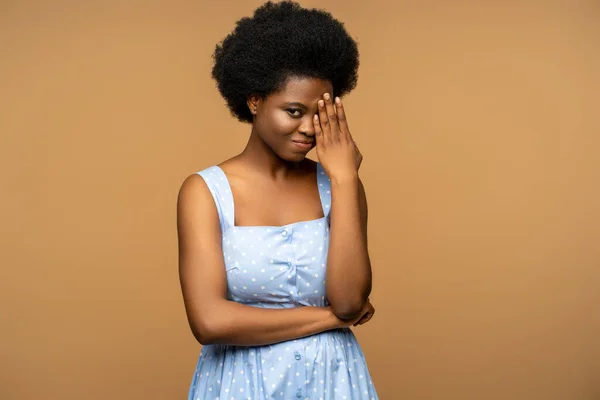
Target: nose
{"x":307,"y":127}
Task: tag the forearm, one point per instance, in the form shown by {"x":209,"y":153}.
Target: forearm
{"x":231,"y":323}
{"x":348,"y":281}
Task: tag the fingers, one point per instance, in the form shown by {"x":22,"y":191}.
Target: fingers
{"x":331,"y":116}
{"x":341,"y":117}
{"x":365,"y":318}
{"x":318,"y":130}
{"x":360,"y":321}
{"x":328,"y":118}
{"x":370,"y":311}
{"x":323,"y":120}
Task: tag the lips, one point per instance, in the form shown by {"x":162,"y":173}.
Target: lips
{"x":304,"y":145}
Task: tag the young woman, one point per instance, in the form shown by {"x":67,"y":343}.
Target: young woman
{"x":273,"y":256}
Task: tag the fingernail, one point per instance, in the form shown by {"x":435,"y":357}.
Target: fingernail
{"x":326,"y":96}
{"x":321,"y":103}
{"x":338,"y":101}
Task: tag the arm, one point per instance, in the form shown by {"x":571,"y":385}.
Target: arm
{"x":348,"y":267}
{"x":213,"y":318}
{"x":348,"y":280}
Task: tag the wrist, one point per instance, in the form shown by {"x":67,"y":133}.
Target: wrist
{"x":333,"y":322}
{"x":345,"y":179}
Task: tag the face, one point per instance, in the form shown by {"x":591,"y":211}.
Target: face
{"x":284,"y":120}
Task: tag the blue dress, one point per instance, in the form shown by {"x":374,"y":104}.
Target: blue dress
{"x":279,"y":267}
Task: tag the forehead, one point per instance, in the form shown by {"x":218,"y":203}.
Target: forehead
{"x":302,"y":89}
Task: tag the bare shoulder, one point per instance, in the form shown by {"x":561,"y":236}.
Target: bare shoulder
{"x":193,"y":189}
{"x":233,"y":166}
{"x":195,"y":206}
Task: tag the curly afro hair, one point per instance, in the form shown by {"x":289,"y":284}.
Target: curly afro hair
{"x":279,"y":41}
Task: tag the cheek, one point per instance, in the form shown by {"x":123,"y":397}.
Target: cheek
{"x":280,"y":123}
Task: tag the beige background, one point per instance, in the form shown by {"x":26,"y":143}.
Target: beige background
{"x":478,"y":125}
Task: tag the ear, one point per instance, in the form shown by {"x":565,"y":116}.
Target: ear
{"x":253,"y":104}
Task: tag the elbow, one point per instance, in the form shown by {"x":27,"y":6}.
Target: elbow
{"x":203,"y":336}
{"x":206,"y":333}
{"x":349,"y":306}
{"x":209,"y":325}
{"x":347,"y":310}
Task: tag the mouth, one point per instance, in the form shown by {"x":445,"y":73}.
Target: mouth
{"x":303,"y":144}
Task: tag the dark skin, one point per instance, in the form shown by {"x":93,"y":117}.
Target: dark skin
{"x":273,"y":171}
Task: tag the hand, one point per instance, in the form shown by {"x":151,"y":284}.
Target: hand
{"x":369,"y":311}
{"x":337,"y":151}
{"x":365,"y":316}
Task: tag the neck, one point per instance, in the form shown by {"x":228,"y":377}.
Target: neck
{"x":264,"y":160}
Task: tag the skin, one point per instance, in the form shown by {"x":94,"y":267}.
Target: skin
{"x":271,"y":171}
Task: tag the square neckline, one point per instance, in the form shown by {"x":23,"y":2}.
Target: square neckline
{"x":319,"y":171}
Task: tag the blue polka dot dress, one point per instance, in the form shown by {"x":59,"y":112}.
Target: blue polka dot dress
{"x":279,"y":267}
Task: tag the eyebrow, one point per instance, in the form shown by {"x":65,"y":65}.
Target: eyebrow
{"x":295,"y":104}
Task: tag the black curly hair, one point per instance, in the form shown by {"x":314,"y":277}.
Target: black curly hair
{"x":282,"y":40}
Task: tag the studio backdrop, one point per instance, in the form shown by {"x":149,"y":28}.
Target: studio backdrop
{"x":479,"y":129}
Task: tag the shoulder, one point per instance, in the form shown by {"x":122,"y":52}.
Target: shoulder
{"x":195,"y":209}
{"x":198,"y":181}
{"x":197,"y":188}
{"x":203,"y":179}
{"x":193,"y":191}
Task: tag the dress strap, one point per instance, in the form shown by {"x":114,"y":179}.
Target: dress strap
{"x":324,"y":190}
{"x":216,"y":180}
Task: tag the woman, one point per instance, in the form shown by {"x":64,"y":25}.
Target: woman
{"x":273,"y":254}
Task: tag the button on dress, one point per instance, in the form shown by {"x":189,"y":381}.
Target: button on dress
{"x":279,"y":267}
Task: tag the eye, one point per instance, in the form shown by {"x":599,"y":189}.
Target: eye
{"x":294,"y":112}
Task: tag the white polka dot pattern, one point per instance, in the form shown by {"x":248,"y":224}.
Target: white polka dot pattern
{"x":279,"y":267}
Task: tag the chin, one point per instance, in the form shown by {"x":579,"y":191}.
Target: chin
{"x":293,"y":157}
